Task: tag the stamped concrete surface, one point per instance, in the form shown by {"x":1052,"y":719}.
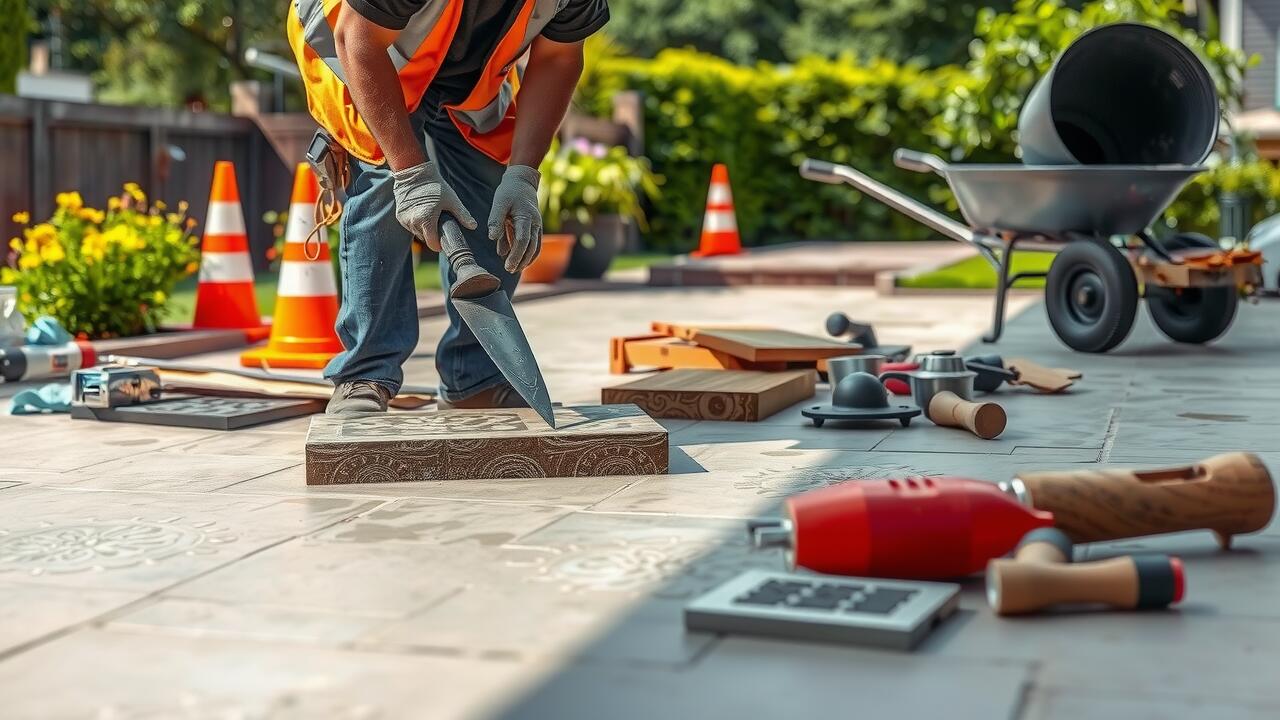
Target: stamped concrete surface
{"x":150,"y":572}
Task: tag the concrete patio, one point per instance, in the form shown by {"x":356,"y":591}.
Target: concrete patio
{"x":170,"y":573}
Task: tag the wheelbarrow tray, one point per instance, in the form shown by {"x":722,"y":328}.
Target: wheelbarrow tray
{"x":1053,"y":200}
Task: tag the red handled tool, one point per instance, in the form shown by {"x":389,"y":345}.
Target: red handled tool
{"x":913,"y":528}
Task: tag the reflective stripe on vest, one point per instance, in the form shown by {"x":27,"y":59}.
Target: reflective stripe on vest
{"x":486,"y":118}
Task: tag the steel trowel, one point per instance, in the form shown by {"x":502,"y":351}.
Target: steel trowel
{"x":478,"y":297}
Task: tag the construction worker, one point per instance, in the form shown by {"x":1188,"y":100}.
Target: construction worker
{"x":422,"y":96}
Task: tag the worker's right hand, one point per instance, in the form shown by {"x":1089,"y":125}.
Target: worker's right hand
{"x":422,"y":196}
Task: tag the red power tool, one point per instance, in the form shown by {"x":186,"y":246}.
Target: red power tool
{"x":913,"y":528}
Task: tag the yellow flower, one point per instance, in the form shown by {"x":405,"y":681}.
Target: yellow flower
{"x":41,"y":234}
{"x":113,"y":203}
{"x":173,"y":218}
{"x":52,"y":253}
{"x":155,"y":221}
{"x":29,"y":261}
{"x":94,"y":247}
{"x":182,"y":206}
{"x":8,"y":276}
{"x":159,"y":205}
{"x":135,"y":192}
{"x":70,"y":201}
{"x":16,"y":244}
{"x":91,"y":215}
{"x":22,"y":218}
{"x":192,"y":267}
{"x":159,"y":297}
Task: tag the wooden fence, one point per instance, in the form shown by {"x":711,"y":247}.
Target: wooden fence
{"x":48,"y":147}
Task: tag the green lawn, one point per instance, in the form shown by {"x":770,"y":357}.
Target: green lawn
{"x":182,"y":303}
{"x":976,"y":272}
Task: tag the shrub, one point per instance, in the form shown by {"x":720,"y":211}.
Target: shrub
{"x":102,"y":274}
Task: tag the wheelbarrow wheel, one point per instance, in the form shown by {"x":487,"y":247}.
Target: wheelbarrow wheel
{"x":1192,"y":315}
{"x":1091,"y":295}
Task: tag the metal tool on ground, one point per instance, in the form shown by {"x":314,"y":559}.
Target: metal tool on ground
{"x":45,"y":362}
{"x":1041,"y":575}
{"x":984,"y":419}
{"x":921,"y":528}
{"x":941,"y":371}
{"x":860,"y":611}
{"x":478,"y":297}
{"x":108,"y":386}
{"x":842,"y":326}
{"x":194,"y":379}
{"x":860,"y":397}
{"x":1091,"y":290}
{"x":1229,"y":494}
{"x":839,"y":367}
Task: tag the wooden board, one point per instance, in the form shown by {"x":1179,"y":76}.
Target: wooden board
{"x":589,"y":441}
{"x":686,"y":331}
{"x":210,"y":413}
{"x":745,"y":395}
{"x":661,"y":352}
{"x":771,"y":345}
{"x":1046,"y":380}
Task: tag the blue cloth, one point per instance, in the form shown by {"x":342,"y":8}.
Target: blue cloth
{"x":378,"y":321}
{"x":47,"y":331}
{"x":52,"y":398}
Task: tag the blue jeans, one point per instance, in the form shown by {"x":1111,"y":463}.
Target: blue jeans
{"x":378,"y":321}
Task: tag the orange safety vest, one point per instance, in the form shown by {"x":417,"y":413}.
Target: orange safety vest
{"x":486,"y":118}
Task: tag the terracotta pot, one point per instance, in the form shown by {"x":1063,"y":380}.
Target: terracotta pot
{"x":549,"y":266}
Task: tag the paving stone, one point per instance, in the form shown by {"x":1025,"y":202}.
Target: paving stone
{"x":30,"y":612}
{"x":742,"y":677}
{"x":53,"y":443}
{"x":202,"y":618}
{"x":143,"y":542}
{"x":175,"y":471}
{"x":210,"y":677}
{"x":1067,"y":703}
{"x":440,"y":522}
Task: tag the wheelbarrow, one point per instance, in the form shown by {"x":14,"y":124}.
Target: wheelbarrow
{"x":1096,"y":218}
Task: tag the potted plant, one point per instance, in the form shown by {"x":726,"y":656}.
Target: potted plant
{"x":101,"y":273}
{"x":596,"y":193}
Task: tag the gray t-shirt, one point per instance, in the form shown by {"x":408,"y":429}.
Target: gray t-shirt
{"x":482,"y":25}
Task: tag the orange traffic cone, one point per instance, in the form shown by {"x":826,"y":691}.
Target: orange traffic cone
{"x":719,"y":225}
{"x":302,"y":334}
{"x":224,"y":298}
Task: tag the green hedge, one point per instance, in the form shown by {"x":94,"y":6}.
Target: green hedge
{"x":13,"y":42}
{"x":763,"y":120}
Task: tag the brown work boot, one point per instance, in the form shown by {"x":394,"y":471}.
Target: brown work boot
{"x":498,"y":396}
{"x":358,"y":396}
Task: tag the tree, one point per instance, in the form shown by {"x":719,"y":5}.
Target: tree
{"x":166,"y":53}
{"x":14,"y":25}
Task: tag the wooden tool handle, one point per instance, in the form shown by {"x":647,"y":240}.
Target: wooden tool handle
{"x":984,"y":419}
{"x":1044,"y":545}
{"x":1016,"y":586}
{"x":1228,"y":494}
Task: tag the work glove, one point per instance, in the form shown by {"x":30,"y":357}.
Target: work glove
{"x":515,"y":204}
{"x":422,"y":196}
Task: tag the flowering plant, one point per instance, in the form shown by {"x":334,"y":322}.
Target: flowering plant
{"x":102,"y":273}
{"x":585,"y":179}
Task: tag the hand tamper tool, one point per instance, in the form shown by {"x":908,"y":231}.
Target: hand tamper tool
{"x":913,"y":528}
{"x":1040,"y":574}
{"x":943,"y":388}
{"x":1229,"y":494}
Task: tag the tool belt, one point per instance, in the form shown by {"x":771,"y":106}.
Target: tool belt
{"x":332,"y":169}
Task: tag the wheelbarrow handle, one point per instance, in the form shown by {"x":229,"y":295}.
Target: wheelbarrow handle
{"x":916,"y":161}
{"x":820,"y":171}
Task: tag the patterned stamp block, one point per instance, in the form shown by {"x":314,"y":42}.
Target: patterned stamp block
{"x":589,"y":441}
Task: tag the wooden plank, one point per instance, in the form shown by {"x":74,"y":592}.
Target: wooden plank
{"x":589,"y":441}
{"x":686,"y":331}
{"x":743,"y":395}
{"x":661,"y":352}
{"x":764,"y":345}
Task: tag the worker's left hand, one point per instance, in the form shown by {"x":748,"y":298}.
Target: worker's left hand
{"x":515,"y":206}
